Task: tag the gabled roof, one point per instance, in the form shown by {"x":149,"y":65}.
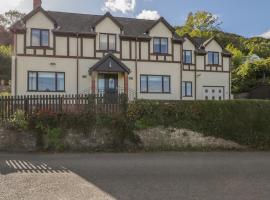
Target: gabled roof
{"x":84,"y":23}
{"x":110,"y":17}
{"x":20,"y":25}
{"x":161,"y":19}
{"x":109,"y":63}
{"x":200,"y":44}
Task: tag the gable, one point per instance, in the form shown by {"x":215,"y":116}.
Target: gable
{"x":107,"y":25}
{"x":160,"y":30}
{"x":39,"y":20}
{"x":213,"y":45}
{"x":188,"y":45}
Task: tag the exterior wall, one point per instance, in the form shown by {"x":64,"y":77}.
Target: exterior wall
{"x":61,"y":46}
{"x":212,"y":79}
{"x":39,"y":20}
{"x":76,"y":55}
{"x":149,"y":68}
{"x":214,"y":46}
{"x":108,"y":26}
{"x":25,"y":64}
{"x":190,"y":77}
{"x":160,"y":30}
{"x":20,"y":43}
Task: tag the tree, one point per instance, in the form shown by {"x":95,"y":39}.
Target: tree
{"x":201,"y":23}
{"x":10,"y":17}
{"x":6,"y":20}
{"x":238,"y":55}
{"x":5,"y":62}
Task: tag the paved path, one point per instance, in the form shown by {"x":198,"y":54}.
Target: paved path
{"x":164,"y":176}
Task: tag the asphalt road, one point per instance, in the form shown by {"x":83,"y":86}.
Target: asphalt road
{"x":211,"y":176}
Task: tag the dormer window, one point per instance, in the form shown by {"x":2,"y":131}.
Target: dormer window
{"x":107,"y":42}
{"x":39,"y":38}
{"x":213,"y":58}
{"x":161,"y":45}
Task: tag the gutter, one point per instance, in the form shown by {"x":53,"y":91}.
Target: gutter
{"x":77,"y":63}
{"x":136,"y":67}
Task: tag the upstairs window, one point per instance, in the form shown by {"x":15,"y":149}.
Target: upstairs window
{"x":187,"y":57}
{"x":39,"y":38}
{"x":161,"y":45}
{"x":213,"y":58}
{"x":107,"y":42}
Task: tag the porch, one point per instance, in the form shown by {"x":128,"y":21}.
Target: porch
{"x":109,"y":77}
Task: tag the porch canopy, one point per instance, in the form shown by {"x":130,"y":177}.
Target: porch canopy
{"x":109,"y":64}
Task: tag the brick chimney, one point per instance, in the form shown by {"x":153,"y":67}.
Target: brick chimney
{"x":37,"y":4}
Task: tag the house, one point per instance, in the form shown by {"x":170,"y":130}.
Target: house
{"x":251,"y":58}
{"x":69,"y":53}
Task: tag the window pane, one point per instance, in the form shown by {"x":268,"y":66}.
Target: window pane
{"x":60,"y":81}
{"x":32,"y":81}
{"x":143,"y":83}
{"x":45,"y":38}
{"x":189,"y":89}
{"x":210,"y":58}
{"x":103,"y":42}
{"x":156,"y":45}
{"x":166,"y":84}
{"x":155,"y":83}
{"x":216,"y":58}
{"x":184,"y":89}
{"x":46,"y":81}
{"x":188,"y":57}
{"x":164,"y":45}
{"x":112,"y":45}
{"x":35,"y":37}
{"x":101,"y":82}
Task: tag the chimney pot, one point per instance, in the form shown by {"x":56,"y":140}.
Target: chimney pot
{"x":37,"y":4}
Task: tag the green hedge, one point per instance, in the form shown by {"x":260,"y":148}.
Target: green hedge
{"x":245,"y":122}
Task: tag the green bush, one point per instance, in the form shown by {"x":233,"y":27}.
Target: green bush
{"x":17,"y":122}
{"x":245,"y":122}
{"x":53,"y":127}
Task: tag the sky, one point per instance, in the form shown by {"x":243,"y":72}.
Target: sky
{"x":244,"y":17}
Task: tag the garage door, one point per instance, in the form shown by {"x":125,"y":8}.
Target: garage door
{"x":213,"y":93}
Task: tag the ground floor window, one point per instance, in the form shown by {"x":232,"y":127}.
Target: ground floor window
{"x":155,"y":84}
{"x":46,"y":81}
{"x":187,"y":89}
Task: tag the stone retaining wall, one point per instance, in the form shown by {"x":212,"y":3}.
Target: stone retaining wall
{"x":156,"y":139}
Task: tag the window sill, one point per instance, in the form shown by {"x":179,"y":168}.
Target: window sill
{"x":46,"y":91}
{"x":214,"y":65}
{"x":161,"y":54}
{"x":108,"y":51}
{"x":188,"y":96}
{"x":39,"y":47}
{"x":155,"y":92}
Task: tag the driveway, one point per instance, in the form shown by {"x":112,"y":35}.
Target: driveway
{"x":164,"y":176}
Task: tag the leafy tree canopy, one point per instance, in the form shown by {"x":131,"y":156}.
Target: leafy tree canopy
{"x":10,"y":17}
{"x":201,"y":24}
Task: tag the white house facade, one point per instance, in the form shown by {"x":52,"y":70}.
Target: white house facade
{"x":69,"y":53}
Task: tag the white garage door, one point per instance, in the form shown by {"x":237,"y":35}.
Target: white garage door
{"x":213,"y":93}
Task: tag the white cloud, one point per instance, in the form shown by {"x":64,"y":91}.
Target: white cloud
{"x":123,"y":6}
{"x":265,"y":35}
{"x":9,"y":4}
{"x":148,"y":14}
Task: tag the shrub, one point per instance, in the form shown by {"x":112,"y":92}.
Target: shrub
{"x":17,"y":122}
{"x":245,"y":122}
